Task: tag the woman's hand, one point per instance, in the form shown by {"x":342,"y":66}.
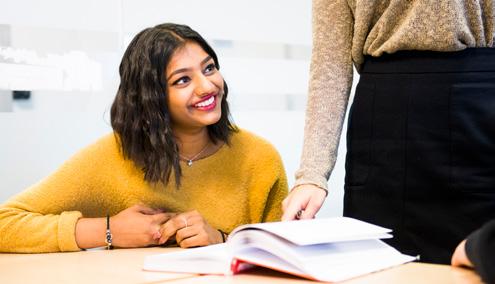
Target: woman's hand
{"x":459,"y":258}
{"x":137,"y":226}
{"x":306,"y":199}
{"x":190,"y":230}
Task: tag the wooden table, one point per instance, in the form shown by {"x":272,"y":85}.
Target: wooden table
{"x":125,"y":266}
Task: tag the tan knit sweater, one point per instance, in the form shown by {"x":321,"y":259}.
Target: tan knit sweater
{"x":346,"y":30}
{"x":241,"y":183}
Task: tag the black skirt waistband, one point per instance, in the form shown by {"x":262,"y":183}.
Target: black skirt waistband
{"x":467,"y":60}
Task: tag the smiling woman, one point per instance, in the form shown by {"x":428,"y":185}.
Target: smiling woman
{"x":170,"y":118}
{"x":195,"y":89}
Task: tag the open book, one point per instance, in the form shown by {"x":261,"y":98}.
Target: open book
{"x":330,"y":250}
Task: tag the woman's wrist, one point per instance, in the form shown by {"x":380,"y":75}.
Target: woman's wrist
{"x":297,"y":186}
{"x":90,"y":232}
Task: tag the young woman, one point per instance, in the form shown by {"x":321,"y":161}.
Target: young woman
{"x":175,"y":168}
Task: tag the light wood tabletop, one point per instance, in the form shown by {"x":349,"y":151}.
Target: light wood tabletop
{"x":125,"y":266}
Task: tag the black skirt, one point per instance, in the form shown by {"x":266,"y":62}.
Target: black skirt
{"x":421,"y":148}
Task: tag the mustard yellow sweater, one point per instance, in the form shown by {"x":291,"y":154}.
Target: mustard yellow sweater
{"x":241,"y":183}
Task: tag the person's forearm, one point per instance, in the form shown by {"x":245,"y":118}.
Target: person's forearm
{"x":330,"y":82}
{"x":90,"y":232}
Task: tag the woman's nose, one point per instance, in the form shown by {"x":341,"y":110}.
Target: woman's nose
{"x":204,"y":85}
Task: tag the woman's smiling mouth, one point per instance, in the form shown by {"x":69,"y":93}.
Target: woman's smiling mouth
{"x":206,"y":104}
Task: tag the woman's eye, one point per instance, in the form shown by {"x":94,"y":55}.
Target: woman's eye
{"x":182,"y":80}
{"x":210,"y":68}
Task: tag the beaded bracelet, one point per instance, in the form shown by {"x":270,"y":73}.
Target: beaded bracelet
{"x":108,"y":238}
{"x":223,"y":235}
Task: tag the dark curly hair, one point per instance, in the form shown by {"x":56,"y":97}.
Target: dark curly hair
{"x":140,"y":115}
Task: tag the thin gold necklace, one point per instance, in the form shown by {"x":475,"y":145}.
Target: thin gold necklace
{"x":190,"y":161}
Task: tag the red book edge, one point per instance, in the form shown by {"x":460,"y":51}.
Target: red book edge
{"x":239,"y":265}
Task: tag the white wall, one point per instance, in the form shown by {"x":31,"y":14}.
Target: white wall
{"x":263,"y":46}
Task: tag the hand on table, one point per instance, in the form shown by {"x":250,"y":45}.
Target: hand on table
{"x":137,"y":226}
{"x":459,"y":258}
{"x":190,"y":230}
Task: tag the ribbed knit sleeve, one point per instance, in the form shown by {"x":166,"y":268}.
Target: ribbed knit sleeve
{"x":329,"y":87}
{"x":480,"y":249}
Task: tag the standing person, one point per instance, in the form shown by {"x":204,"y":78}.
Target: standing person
{"x":421,"y":130}
{"x":175,"y":167}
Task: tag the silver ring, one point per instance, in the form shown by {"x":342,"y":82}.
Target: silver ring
{"x":299,"y":214}
{"x":185,"y":221}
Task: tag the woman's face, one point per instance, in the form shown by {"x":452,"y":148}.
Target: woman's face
{"x":195,"y":88}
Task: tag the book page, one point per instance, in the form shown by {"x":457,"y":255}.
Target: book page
{"x":330,"y":262}
{"x":316,"y":231}
{"x":213,"y":259}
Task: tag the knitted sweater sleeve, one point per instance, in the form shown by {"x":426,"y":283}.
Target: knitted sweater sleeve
{"x":329,"y":87}
{"x":480,"y":249}
{"x":44,"y":216}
